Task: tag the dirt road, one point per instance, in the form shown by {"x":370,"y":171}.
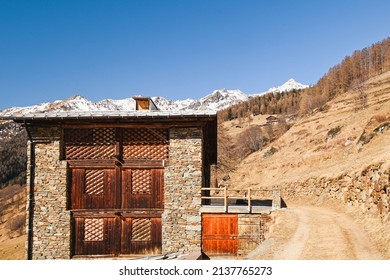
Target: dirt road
{"x":315,"y":233}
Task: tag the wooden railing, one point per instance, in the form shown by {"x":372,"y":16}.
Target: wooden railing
{"x":247,"y":195}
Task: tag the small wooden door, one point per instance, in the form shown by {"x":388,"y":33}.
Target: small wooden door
{"x":96,"y":235}
{"x":95,"y":188}
{"x":220,"y":233}
{"x":142,"y":188}
{"x":141,"y":236}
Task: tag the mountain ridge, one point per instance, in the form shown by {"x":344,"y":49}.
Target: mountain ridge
{"x":217,"y":100}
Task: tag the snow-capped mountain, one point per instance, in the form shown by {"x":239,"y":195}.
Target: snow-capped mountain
{"x":217,"y":100}
{"x":170,"y":105}
{"x":287,"y":86}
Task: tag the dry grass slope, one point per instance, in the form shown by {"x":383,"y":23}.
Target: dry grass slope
{"x":310,"y":149}
{"x":12,"y":222}
{"x":343,"y":139}
{"x":13,"y":249}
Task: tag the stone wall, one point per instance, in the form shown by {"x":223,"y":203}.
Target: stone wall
{"x":368,"y":189}
{"x":252,"y":229}
{"x":51,"y":219}
{"x":181,"y":220}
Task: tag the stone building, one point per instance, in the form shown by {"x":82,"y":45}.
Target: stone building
{"x":116,"y":183}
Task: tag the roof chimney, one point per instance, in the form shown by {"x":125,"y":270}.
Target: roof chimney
{"x":143,"y":103}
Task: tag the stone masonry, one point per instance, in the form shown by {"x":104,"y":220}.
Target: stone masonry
{"x":51,"y":220}
{"x":368,"y":189}
{"x":181,"y":220}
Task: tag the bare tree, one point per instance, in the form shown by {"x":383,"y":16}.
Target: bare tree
{"x":360,"y":99}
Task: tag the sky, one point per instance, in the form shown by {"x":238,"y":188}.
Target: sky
{"x":51,"y":50}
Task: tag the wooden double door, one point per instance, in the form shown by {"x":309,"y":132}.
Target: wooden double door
{"x":116,"y":210}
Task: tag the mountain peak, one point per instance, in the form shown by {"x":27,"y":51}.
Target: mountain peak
{"x":75,"y":98}
{"x":291,"y":80}
{"x":291,"y":84}
{"x":287,"y":86}
{"x":219,"y":99}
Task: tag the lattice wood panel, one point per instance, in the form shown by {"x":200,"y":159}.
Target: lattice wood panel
{"x":141,"y":230}
{"x":95,"y":143}
{"x":141,"y":181}
{"x":93,"y":229}
{"x":94,"y":181}
{"x":145,"y":143}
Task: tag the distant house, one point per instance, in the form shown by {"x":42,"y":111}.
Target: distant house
{"x":272,"y":119}
{"x":117,"y":183}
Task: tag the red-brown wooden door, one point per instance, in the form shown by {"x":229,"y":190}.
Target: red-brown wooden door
{"x":116,"y":210}
{"x":142,"y":188}
{"x":220,"y":233}
{"x":96,"y":235}
{"x":95,"y":188}
{"x":141,"y":235}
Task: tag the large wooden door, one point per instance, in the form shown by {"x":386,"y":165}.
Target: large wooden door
{"x":116,"y":214}
{"x":117,"y":180}
{"x":220,"y":234}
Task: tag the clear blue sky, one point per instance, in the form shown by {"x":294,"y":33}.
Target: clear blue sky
{"x":51,"y":50}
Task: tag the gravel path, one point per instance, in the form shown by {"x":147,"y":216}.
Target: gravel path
{"x":315,"y":233}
